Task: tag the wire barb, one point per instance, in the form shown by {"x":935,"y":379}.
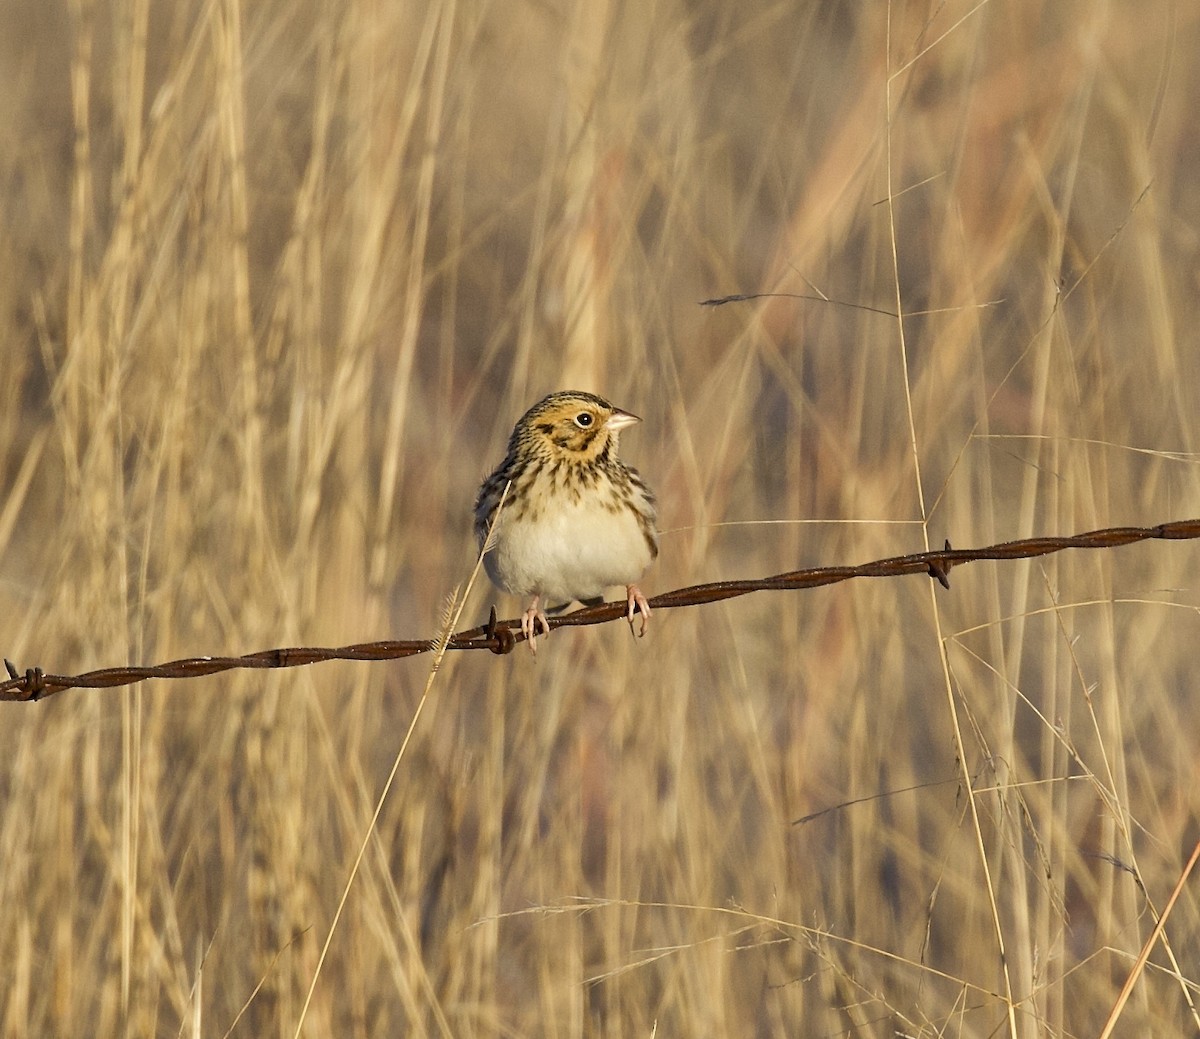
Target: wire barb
{"x":939,"y":569}
{"x":500,"y":637}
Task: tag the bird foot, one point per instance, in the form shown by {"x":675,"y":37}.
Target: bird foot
{"x":636,"y":598}
{"x":530,"y":620}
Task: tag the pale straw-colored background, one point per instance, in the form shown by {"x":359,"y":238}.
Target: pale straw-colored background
{"x":278,"y":277}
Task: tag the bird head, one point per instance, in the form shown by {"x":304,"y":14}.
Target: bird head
{"x":573,"y":425}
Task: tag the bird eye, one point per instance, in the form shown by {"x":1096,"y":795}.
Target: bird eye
{"x":584,"y":419}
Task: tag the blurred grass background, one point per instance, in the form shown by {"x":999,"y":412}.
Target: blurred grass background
{"x":278,"y":279}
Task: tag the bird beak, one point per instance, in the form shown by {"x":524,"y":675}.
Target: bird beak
{"x":619,"y":419}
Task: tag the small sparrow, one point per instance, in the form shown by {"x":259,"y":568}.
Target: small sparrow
{"x":576,"y":519}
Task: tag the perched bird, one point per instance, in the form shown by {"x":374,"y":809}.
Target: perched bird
{"x":576,"y":519}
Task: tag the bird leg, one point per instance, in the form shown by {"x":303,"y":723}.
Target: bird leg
{"x":636,"y":598}
{"x":530,"y":620}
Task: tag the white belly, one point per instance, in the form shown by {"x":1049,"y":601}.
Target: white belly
{"x":574,"y":554}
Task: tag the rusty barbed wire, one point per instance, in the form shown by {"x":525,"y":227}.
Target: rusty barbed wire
{"x":502,"y":636}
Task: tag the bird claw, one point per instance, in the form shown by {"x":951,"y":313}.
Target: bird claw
{"x":636,"y":598}
{"x":530,"y":620}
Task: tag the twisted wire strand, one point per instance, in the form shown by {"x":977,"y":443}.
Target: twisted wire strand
{"x":502,"y":636}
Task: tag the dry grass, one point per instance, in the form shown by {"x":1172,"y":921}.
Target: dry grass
{"x":277,"y":279}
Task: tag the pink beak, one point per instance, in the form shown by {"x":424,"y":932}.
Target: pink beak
{"x":619,"y":419}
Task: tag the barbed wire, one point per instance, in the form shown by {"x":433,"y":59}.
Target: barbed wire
{"x":502,"y":636}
